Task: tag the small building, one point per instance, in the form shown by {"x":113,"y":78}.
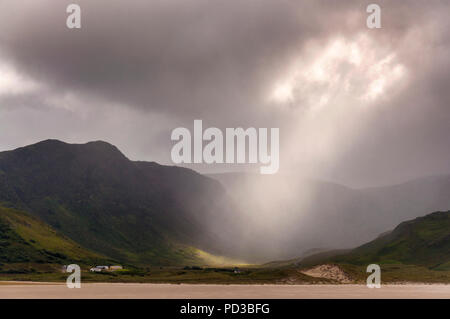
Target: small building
{"x":236,"y":270}
{"x":103,"y":267}
{"x":99,"y":268}
{"x":115,"y":267}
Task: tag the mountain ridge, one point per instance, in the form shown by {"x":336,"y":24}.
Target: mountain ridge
{"x":138,"y":212}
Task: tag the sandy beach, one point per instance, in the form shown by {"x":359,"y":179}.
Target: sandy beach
{"x":13,"y":290}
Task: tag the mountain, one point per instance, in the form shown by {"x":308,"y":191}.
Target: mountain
{"x":134,"y":212}
{"x":424,"y":241}
{"x":143,"y":213}
{"x":291,"y":214}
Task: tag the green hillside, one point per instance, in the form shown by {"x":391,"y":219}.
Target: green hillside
{"x":424,"y":241}
{"x":23,"y":239}
{"x":417,"y":250}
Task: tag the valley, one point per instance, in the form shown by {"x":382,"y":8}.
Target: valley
{"x":88,"y":204}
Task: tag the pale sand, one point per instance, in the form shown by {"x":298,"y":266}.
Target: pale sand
{"x":328,"y":271}
{"x":169,"y":291}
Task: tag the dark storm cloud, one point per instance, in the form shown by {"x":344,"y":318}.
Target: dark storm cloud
{"x":175,"y":56}
{"x":165,"y":63}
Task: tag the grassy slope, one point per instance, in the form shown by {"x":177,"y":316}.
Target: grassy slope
{"x":417,"y":250}
{"x":26,"y":241}
{"x":424,"y":241}
{"x":32,"y":250}
{"x":124,"y":238}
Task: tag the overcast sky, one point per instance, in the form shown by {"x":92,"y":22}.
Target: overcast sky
{"x":354,"y":105}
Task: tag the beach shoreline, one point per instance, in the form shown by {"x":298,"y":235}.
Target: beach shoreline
{"x":35,"y":290}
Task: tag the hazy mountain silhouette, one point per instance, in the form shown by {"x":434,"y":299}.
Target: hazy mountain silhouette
{"x":307,"y":214}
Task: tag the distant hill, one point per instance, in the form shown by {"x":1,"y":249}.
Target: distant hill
{"x":423,"y":241}
{"x":135,"y":212}
{"x":296,"y":214}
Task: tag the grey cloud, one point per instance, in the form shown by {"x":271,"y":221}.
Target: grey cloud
{"x":175,"y":56}
{"x":167,"y":62}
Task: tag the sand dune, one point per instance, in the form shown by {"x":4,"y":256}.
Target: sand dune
{"x":329,"y":272}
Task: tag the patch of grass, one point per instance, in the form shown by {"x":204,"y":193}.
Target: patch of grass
{"x":395,"y":273}
{"x":178,"y":275}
